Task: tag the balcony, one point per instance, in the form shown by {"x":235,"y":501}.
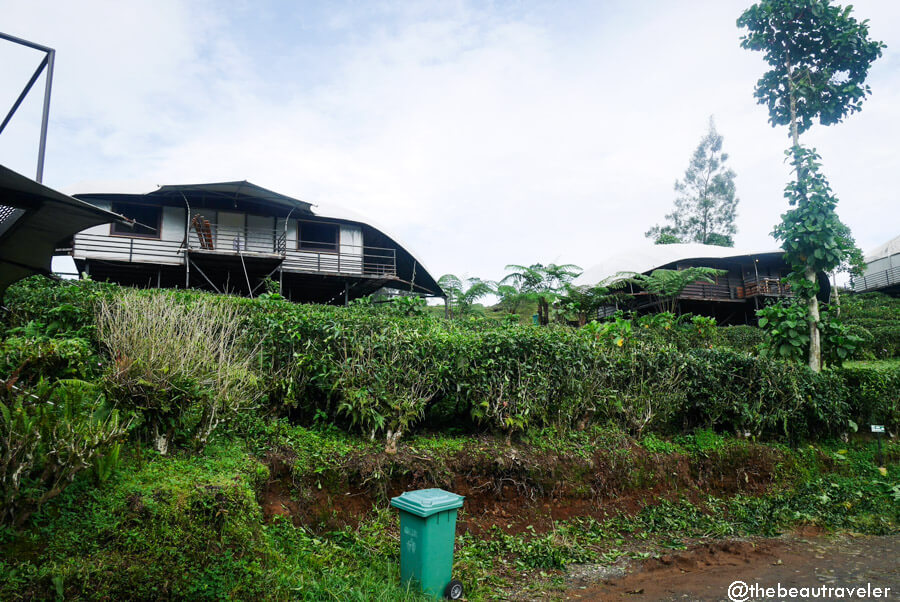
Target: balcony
{"x":767,"y":287}
{"x":209,"y":241}
{"x":127,"y":249}
{"x":213,"y":238}
{"x":889,"y":278}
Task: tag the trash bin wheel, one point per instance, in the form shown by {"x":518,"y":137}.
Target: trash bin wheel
{"x":454,"y":590}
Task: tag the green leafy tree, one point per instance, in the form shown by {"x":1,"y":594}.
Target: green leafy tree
{"x":665,"y":236}
{"x":462,"y":296}
{"x":786,"y":325}
{"x":510,"y":297}
{"x":706,"y":205}
{"x":541,"y":283}
{"x":584,"y":301}
{"x":819,"y":57}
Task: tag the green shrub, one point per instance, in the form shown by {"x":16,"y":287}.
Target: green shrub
{"x":876,"y":319}
{"x":183,"y":361}
{"x":28,"y":360}
{"x":875,"y":396}
{"x":786,"y":326}
{"x":727,"y":390}
{"x":879,"y":341}
{"x":49,"y":434}
{"x":381,"y":372}
{"x":56,"y":308}
{"x":356,"y":366}
{"x":740,"y":338}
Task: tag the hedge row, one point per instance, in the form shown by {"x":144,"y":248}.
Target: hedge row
{"x":876,"y":318}
{"x":379,"y":372}
{"x":383,"y":374}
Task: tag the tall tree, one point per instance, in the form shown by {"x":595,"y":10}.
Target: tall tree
{"x":706,"y":205}
{"x":819,"y":57}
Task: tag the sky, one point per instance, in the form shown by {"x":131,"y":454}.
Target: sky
{"x":479,"y":134}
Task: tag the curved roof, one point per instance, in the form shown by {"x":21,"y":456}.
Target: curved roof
{"x":891,"y":247}
{"x":240,"y":190}
{"x":34,"y":219}
{"x":342,"y":213}
{"x":647,"y":257}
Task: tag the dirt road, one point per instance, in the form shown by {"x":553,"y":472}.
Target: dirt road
{"x":705,"y":572}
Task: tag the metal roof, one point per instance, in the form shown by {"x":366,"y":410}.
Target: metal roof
{"x":643,"y":259}
{"x":34,"y":220}
{"x":242,"y":190}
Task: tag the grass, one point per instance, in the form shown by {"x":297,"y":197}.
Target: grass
{"x":190,"y":524}
{"x":887,"y":364}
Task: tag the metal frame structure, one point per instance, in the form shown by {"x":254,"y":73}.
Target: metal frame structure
{"x":47,"y":61}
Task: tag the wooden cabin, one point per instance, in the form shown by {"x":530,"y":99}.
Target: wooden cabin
{"x":234,"y":237}
{"x":750,"y":281}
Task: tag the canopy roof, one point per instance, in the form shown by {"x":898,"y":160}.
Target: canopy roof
{"x":891,"y":247}
{"x":34,"y":220}
{"x":648,"y":257}
{"x":242,"y":190}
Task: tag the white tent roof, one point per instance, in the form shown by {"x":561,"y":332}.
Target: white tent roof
{"x":646,"y":257}
{"x":891,"y":247}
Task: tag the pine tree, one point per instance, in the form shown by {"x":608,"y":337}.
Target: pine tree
{"x":706,"y":205}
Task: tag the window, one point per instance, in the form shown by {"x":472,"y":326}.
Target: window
{"x":148,"y":216}
{"x":318,"y":236}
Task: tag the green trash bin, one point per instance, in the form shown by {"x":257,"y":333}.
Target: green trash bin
{"x":427,"y":533}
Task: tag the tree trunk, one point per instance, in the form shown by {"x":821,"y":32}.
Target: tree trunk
{"x":837,"y":297}
{"x":795,"y":130}
{"x":815,"y":343}
{"x":391,"y":441}
{"x":543,"y":312}
{"x":161,"y":440}
{"x":812,"y":304}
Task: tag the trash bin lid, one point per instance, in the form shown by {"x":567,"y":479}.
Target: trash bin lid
{"x":426,"y":502}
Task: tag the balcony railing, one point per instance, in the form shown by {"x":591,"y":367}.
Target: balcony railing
{"x":338,"y":258}
{"x":770,"y":287}
{"x":204,"y":236}
{"x":347,"y":259}
{"x":127,"y":248}
{"x":878,"y":280}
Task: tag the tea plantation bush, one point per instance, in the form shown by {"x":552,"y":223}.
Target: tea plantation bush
{"x":382,"y":373}
{"x":740,"y":338}
{"x":876,"y":318}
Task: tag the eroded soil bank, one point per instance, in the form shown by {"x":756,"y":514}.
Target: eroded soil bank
{"x":519,"y":486}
